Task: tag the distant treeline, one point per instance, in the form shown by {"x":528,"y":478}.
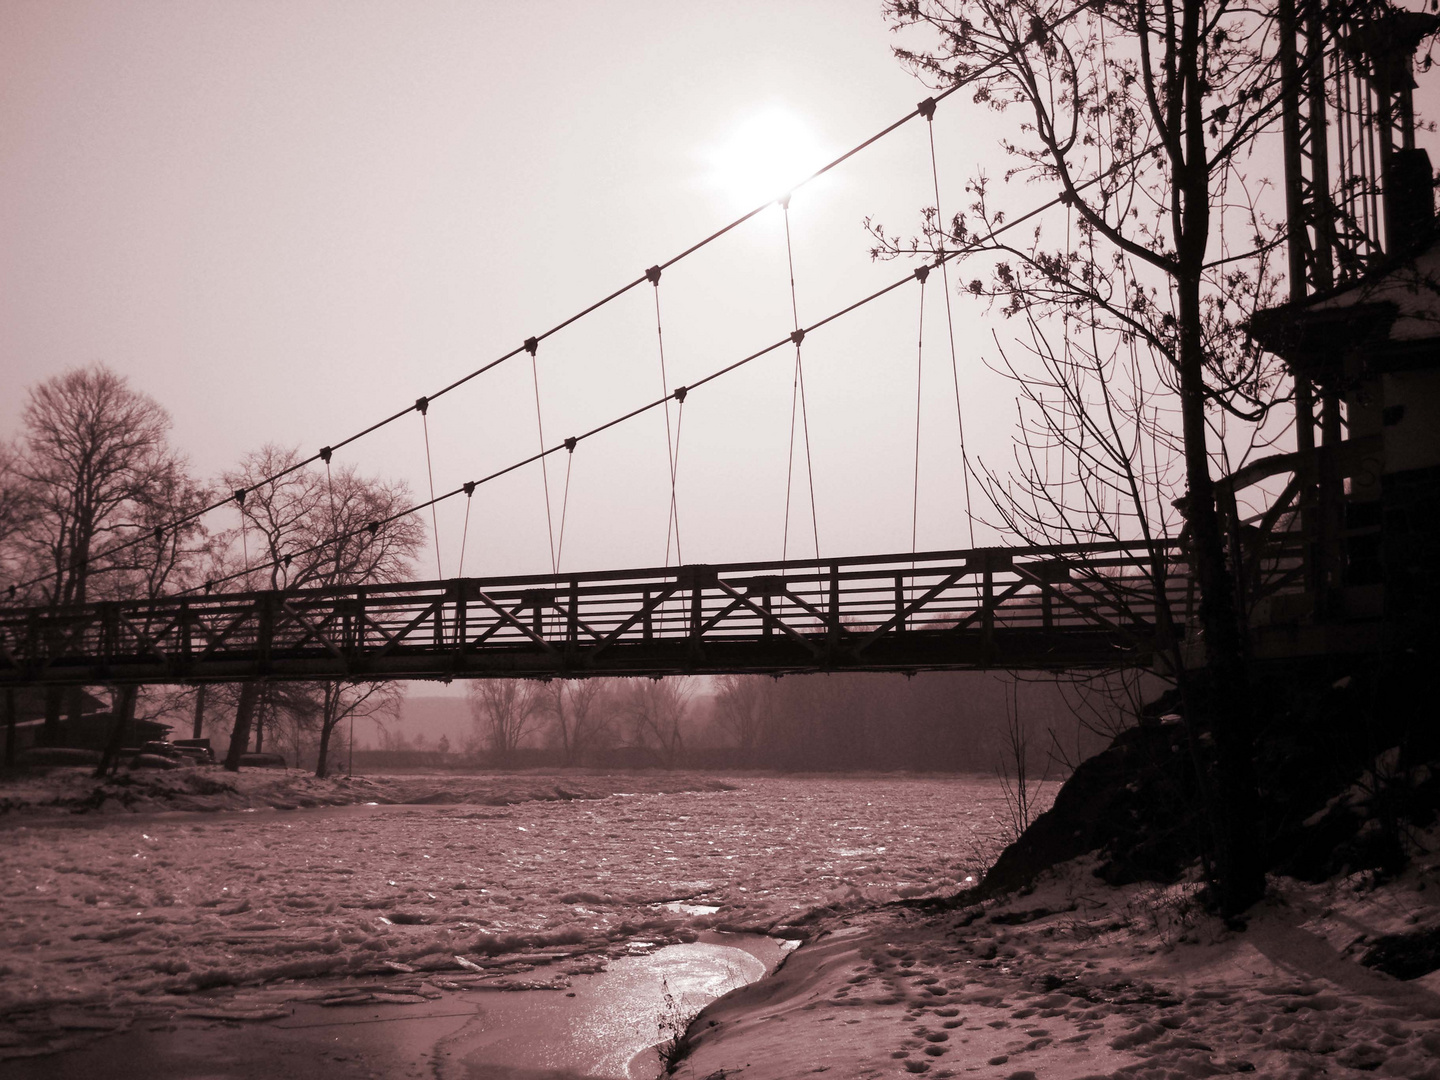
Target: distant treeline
{"x":945,"y":721}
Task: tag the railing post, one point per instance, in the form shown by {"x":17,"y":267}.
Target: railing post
{"x":833,"y":627}
{"x":265,"y":633}
{"x":109,"y":631}
{"x":1047,"y":607}
{"x":183,"y":633}
{"x":462,"y":633}
{"x":648,"y":634}
{"x":359,"y":621}
{"x":900,"y":604}
{"x":987,"y":608}
{"x":767,"y":602}
{"x":697,"y":609}
{"x":440,"y":618}
{"x":572,"y":622}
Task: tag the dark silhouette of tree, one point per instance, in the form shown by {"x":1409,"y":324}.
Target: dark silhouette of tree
{"x":1141,"y":115}
{"x":82,"y":495}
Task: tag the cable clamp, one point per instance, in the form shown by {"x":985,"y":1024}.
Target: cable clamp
{"x":531,"y":345}
{"x":653,"y":275}
{"x":680,"y":392}
{"x":570,"y":444}
{"x":921,"y":273}
{"x":784,"y":200}
{"x":926,"y":108}
{"x":325,"y":453}
{"x":159,"y":534}
{"x":797,"y":337}
{"x":287,"y":561}
{"x":422,"y":405}
{"x":208,"y":586}
{"x":240,"y":494}
{"x":469,"y":488}
{"x":373,"y":527}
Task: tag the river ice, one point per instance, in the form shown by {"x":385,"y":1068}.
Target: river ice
{"x":131,"y":914}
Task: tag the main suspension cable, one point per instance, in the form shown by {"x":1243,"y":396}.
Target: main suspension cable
{"x":940,"y":259}
{"x":925,"y":108}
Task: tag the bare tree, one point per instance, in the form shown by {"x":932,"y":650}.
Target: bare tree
{"x":504,"y":711}
{"x":288,"y":529}
{"x":355,"y":701}
{"x":82,"y":494}
{"x":1141,"y":114}
{"x":286,"y":523}
{"x":655,"y":711}
{"x":744,"y":706}
{"x":580,"y":712}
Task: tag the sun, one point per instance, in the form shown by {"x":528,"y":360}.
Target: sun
{"x":763,"y":157}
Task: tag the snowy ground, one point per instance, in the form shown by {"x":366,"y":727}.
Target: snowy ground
{"x":113,"y":917}
{"x":1076,"y":980}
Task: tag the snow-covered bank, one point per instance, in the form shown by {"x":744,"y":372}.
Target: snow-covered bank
{"x":1079,"y":980}
{"x":71,"y":790}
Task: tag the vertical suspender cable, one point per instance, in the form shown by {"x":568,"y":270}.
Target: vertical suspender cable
{"x":927,"y":109}
{"x":565,"y":501}
{"x":422,"y":405}
{"x":465,"y":532}
{"x":922,"y":273}
{"x":325,"y":453}
{"x":672,"y":446}
{"x":531,"y":346}
{"x":244,"y":540}
{"x":797,"y":393}
{"x":679,"y":396}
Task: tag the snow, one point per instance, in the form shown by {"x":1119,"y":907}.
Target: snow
{"x":506,"y":881}
{"x":1077,"y":980}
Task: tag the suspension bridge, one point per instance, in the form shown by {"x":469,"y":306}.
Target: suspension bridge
{"x":1083,"y":606}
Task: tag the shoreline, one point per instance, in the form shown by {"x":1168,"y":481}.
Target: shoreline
{"x":1077,"y":980}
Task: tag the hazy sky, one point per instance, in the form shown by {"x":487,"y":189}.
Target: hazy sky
{"x":286,"y":220}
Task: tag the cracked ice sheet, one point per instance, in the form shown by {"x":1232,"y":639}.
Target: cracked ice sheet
{"x":120,"y":913}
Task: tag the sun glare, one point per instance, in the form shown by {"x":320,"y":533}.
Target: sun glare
{"x":763,"y":157}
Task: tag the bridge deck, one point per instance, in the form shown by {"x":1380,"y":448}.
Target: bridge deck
{"x":1024,"y":608}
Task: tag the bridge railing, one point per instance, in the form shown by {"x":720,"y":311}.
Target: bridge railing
{"x":1076,"y":605}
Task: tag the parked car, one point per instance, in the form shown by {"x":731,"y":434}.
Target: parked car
{"x":182,"y":752}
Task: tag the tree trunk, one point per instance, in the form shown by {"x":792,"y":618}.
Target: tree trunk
{"x":123,"y":704}
{"x":240,"y":734}
{"x":1219,"y":695}
{"x":327,"y":725}
{"x":197,"y":729}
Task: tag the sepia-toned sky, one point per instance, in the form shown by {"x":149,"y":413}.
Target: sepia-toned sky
{"x":286,"y":220}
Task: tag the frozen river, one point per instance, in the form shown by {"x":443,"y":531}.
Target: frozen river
{"x":115,"y":920}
